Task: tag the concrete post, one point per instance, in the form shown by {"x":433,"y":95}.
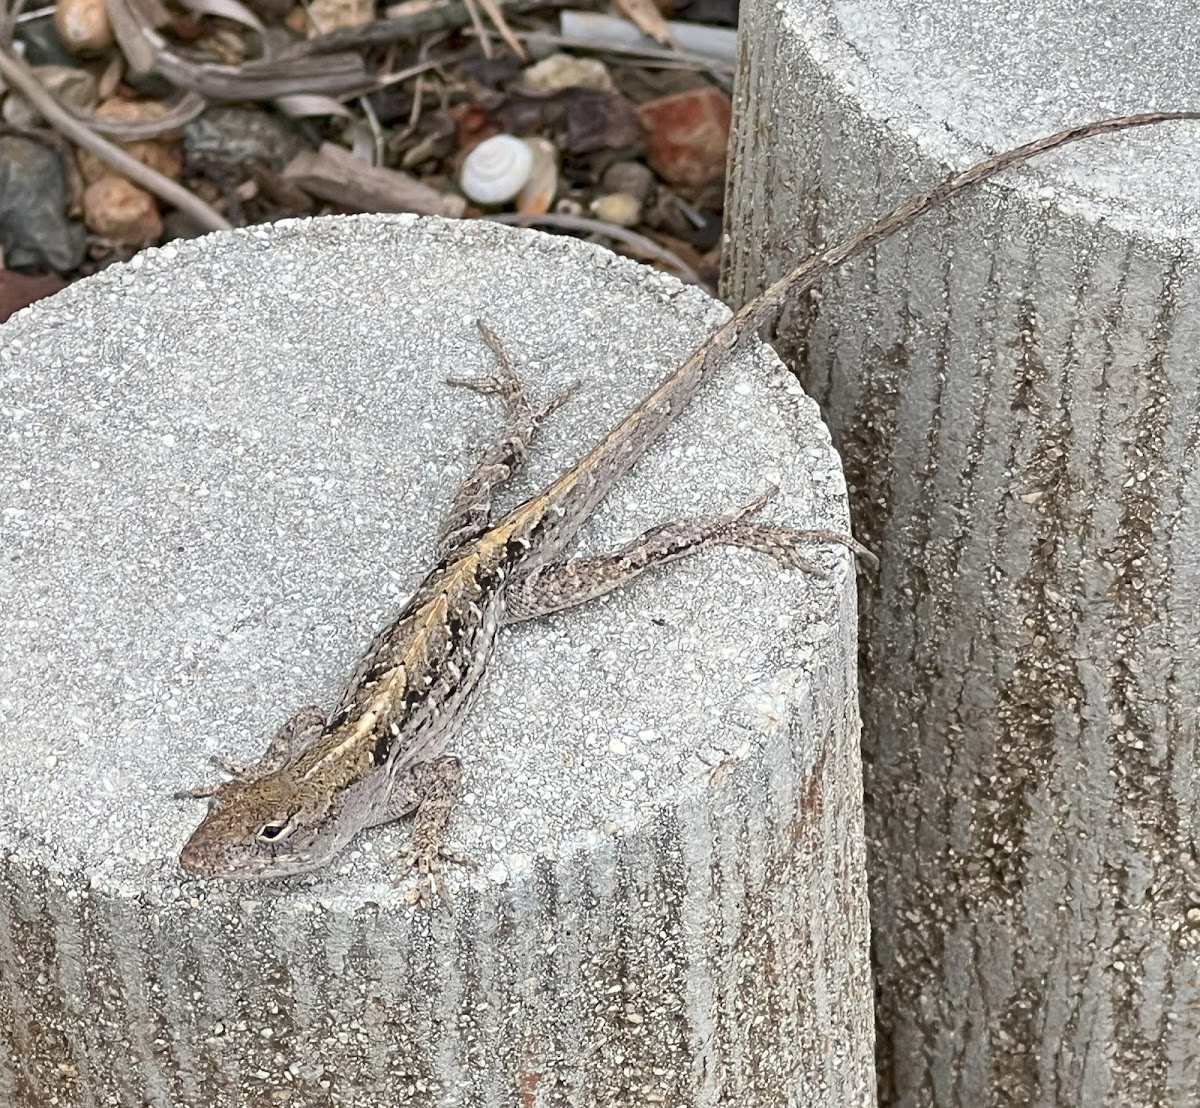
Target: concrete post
{"x":224,"y":467}
{"x":1013,"y":389}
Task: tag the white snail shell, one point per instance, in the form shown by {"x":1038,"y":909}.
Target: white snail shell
{"x":496,"y":170}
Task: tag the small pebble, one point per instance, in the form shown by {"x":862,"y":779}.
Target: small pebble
{"x":635,"y":178}
{"x":560,"y":71}
{"x":119,"y":210}
{"x":163,"y":153}
{"x":687,"y":135}
{"x":35,"y":232}
{"x":83,"y":25}
{"x":619,"y":208}
{"x":338,"y":15}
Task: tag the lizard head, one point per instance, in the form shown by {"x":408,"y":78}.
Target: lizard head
{"x":270,"y":826}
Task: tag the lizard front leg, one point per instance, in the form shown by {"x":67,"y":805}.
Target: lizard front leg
{"x":567,"y":584}
{"x":286,"y":745}
{"x":430,"y":789}
{"x":471,"y":509}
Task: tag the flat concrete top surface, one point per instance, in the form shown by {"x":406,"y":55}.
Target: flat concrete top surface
{"x":223,"y":469}
{"x":967,"y":79}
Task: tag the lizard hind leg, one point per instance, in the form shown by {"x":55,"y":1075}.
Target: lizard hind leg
{"x":561,"y":585}
{"x":471,"y":510}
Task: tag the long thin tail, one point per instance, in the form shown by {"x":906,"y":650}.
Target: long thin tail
{"x":583,"y":486}
{"x":760,"y":311}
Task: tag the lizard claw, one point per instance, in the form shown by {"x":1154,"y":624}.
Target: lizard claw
{"x":193,"y":794}
{"x":229,"y":766}
{"x":427,"y":861}
{"x":485,"y":385}
{"x":555,"y":402}
{"x":233,"y":770}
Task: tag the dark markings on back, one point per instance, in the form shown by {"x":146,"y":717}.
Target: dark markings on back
{"x":457,"y":629}
{"x":383,"y":744}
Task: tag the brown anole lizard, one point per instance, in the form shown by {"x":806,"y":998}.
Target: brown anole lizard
{"x":378,"y":755}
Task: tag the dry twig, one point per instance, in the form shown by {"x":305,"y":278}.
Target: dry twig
{"x":334,"y":174}
{"x":407,"y":22}
{"x":496,"y":15}
{"x":262,"y":79}
{"x":22,"y":78}
{"x":598,"y":227}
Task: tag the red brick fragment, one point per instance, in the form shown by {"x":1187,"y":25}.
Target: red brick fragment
{"x":689,"y":135}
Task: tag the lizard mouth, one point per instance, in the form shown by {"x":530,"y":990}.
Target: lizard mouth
{"x":199,"y":860}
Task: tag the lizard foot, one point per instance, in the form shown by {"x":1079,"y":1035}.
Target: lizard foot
{"x":291,"y":740}
{"x":427,"y":861}
{"x":233,"y":770}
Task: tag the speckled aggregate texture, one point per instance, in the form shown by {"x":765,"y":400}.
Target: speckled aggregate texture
{"x":1013,"y":388}
{"x":223,"y":469}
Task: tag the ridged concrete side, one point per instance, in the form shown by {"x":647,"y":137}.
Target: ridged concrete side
{"x":1012,"y":385}
{"x":226,"y":464}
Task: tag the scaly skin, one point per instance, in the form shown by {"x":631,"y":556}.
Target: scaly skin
{"x":378,"y":756}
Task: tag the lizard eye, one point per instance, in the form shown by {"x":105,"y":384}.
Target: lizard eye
{"x":276,"y":830}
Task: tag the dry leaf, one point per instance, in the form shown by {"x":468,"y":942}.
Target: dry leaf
{"x":644,"y":15}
